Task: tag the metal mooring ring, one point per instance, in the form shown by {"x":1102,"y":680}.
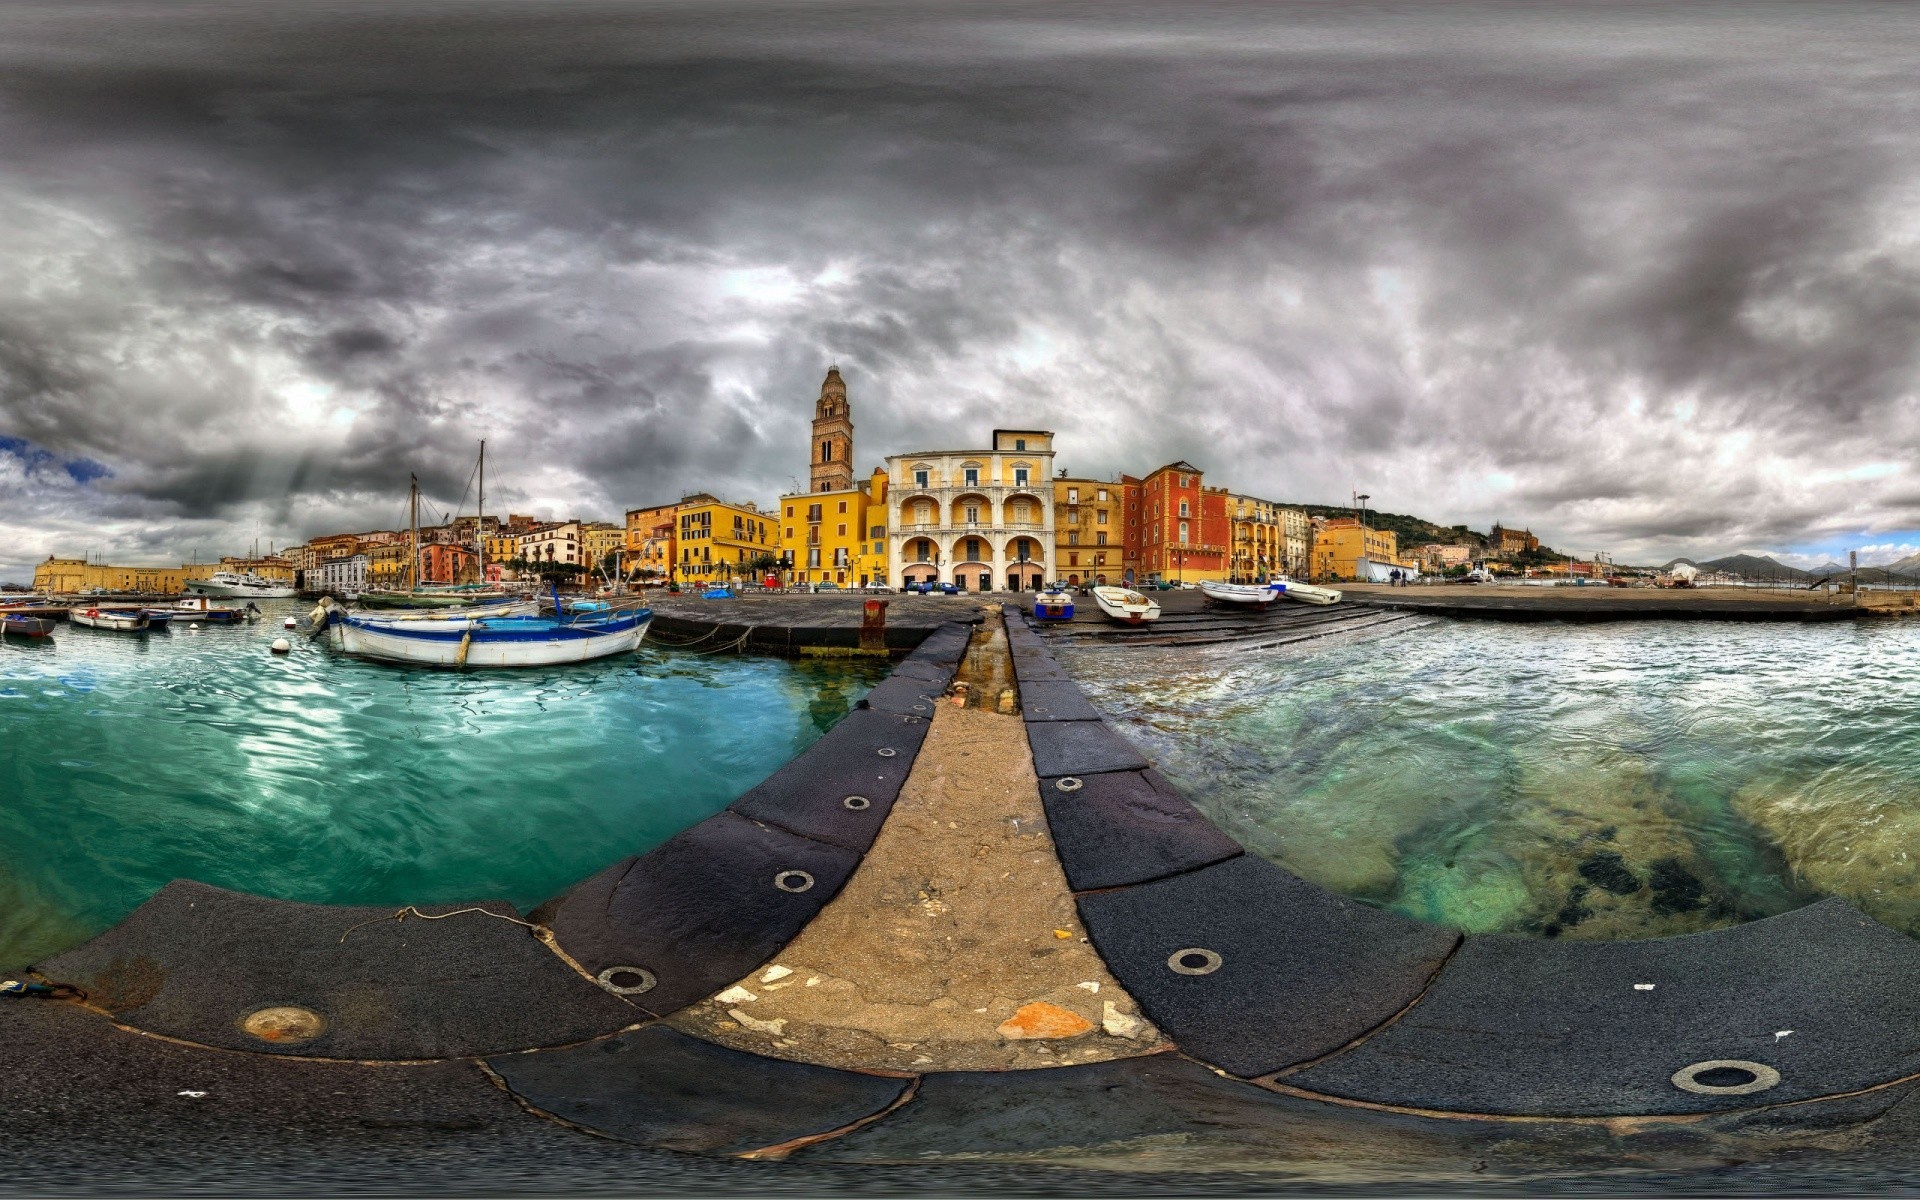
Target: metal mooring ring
{"x":1723,"y":1077}
{"x":856,"y":803}
{"x":793,"y":881}
{"x":886,"y":752}
{"x":647,"y":980}
{"x":1068,"y":784}
{"x":1194,"y":960}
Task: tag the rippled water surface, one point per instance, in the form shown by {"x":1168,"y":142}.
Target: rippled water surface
{"x":128,"y":761}
{"x":1606,"y":781}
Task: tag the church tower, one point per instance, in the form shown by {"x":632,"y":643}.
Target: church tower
{"x":832,"y":437}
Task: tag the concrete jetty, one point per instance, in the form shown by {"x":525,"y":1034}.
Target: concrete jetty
{"x":970,"y":938}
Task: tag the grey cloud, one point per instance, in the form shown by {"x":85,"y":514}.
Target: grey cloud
{"x":1481,"y":261}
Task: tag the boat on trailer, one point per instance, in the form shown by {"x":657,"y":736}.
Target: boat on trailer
{"x":1053,"y":604}
{"x":492,"y":641}
{"x":1126,"y":605}
{"x":1305,"y":593}
{"x":118,"y":620}
{"x":1240,"y":595}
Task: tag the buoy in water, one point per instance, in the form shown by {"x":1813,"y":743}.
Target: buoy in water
{"x":289,"y":623}
{"x":282,"y":646}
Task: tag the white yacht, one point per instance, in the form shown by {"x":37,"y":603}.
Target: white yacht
{"x":246,"y":587}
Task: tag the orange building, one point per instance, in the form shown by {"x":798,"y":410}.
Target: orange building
{"x":1185,"y":527}
{"x":442,"y":562}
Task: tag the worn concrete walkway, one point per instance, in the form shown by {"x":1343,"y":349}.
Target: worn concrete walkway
{"x":956,"y":945}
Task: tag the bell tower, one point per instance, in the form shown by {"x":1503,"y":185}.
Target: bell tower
{"x":832,"y":438}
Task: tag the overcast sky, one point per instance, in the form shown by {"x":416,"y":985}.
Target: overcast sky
{"x":1644,"y":278}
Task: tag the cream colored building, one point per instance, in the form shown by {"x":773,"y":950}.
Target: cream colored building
{"x":1296,"y":542}
{"x":982,"y":519}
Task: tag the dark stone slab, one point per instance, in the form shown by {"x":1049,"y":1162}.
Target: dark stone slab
{"x":1520,"y":1025}
{"x":658,"y":1087}
{"x":1055,"y":700}
{"x":947,"y":644}
{"x":700,"y":910}
{"x":925,"y":670}
{"x":904,"y":696}
{"x":194,"y":961}
{"x":809,"y":795}
{"x":1035,"y":667}
{"x":1302,"y":972}
{"x":1160,"y":1096}
{"x":1080,"y":748}
{"x":1126,"y":827}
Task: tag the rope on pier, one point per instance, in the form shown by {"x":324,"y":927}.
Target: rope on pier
{"x":402,"y":914}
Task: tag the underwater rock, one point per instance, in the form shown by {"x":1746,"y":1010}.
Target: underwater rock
{"x":1605,"y":868}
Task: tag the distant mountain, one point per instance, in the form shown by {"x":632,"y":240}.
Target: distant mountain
{"x":1750,"y":566}
{"x":1412,"y":531}
{"x":1828,"y":567}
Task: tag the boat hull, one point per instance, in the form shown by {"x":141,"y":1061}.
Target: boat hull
{"x":494,"y":643}
{"x":1304,"y":593}
{"x":1128,"y":608}
{"x":1053,"y":606}
{"x":1243,"y":595}
{"x":238,"y":591}
{"x":116,"y":622}
{"x":426,"y":599}
{"x":29,"y":627}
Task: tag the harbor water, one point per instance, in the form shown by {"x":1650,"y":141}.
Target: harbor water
{"x":1604,"y":781}
{"x":130,"y":760}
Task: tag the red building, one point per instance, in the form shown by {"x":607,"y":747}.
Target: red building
{"x":1177,"y":527}
{"x":445,"y":563}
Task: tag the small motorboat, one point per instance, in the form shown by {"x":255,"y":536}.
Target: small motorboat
{"x":1305,"y":593}
{"x":1053,"y":604}
{"x":158,"y":618}
{"x":1126,"y":605}
{"x":21,"y":625}
{"x":199,"y":608}
{"x":120,"y":620}
{"x":1241,"y":595}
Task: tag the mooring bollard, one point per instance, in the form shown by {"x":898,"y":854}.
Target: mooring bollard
{"x":873,"y":626}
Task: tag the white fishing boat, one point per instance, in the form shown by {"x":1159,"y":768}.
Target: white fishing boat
{"x":1242,"y":595}
{"x":234,"y":585}
{"x":507,"y":641}
{"x":120,"y":620}
{"x":200,"y":608}
{"x":1305,"y":593}
{"x":1126,"y":605}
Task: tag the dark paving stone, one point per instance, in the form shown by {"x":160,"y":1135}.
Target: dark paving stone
{"x":1080,"y":748}
{"x":700,"y":910}
{"x":1127,"y":827}
{"x":1055,"y":700}
{"x":658,"y":1087}
{"x":1160,"y":1096}
{"x":925,"y":670}
{"x":1036,"y":667}
{"x":947,"y":644}
{"x":1302,"y":971}
{"x":1519,"y":1025}
{"x":905,"y":696}
{"x":195,"y":960}
{"x":809,"y":794}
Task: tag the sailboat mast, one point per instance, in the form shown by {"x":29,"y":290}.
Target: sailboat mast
{"x":413,"y":519}
{"x":480,"y":517}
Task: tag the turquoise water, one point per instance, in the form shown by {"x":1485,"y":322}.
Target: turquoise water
{"x":1605,"y":781}
{"x":128,"y":761}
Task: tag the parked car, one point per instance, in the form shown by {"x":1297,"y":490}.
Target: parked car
{"x":826,"y":587}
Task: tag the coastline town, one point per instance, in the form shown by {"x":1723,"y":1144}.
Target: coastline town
{"x":1004,"y":516}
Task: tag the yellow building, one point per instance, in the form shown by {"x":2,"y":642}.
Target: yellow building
{"x":598,"y":539}
{"x":501,"y":547}
{"x":1346,"y":551}
{"x":720,"y":541}
{"x":1259,"y":539}
{"x":79,"y":575}
{"x":837,"y":537}
{"x":386,"y":566}
{"x":1089,"y":545}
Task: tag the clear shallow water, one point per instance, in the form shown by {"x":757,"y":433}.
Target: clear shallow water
{"x":1607,"y":781}
{"x":128,"y":761}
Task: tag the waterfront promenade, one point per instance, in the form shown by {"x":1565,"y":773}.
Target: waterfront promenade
{"x":969,"y":938}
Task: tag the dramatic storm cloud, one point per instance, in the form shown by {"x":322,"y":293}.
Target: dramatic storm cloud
{"x":1644,"y":278}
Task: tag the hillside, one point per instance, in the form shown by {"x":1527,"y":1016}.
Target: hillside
{"x":1411,"y":530}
